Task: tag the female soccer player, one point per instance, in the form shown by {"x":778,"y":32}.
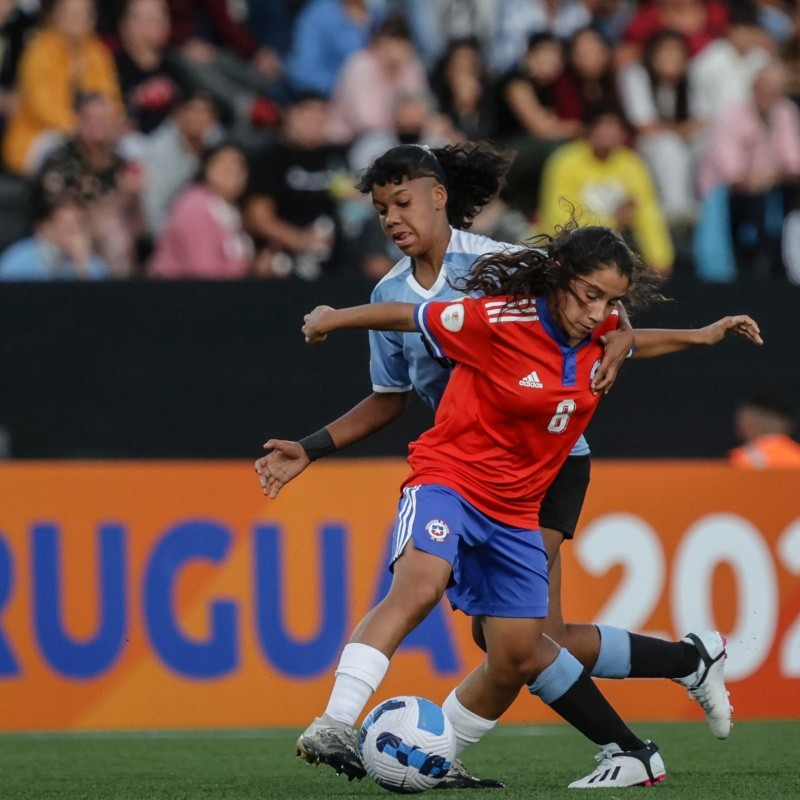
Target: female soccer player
{"x":425,"y":199}
{"x":518,"y":399}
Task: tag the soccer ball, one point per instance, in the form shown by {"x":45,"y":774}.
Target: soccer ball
{"x":407,"y":744}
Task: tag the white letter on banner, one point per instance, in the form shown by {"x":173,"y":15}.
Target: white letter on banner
{"x":789,"y":551}
{"x":728,"y":539}
{"x":627,"y":540}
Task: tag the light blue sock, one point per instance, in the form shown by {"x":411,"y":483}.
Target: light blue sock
{"x":614,"y":659}
{"x":555,"y":679}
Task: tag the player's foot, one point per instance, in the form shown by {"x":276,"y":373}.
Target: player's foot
{"x":328,"y":741}
{"x":620,"y":768}
{"x":458,"y":778}
{"x":707,"y":683}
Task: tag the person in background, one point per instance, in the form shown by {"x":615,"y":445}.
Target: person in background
{"x":148,"y":73}
{"x":527,"y":118}
{"x":370,"y":81}
{"x":290,"y":209}
{"x":220,"y":55}
{"x":325,"y":34}
{"x":764,"y":423}
{"x":588,"y":77}
{"x":15,"y":25}
{"x":518,"y":20}
{"x":723,"y":73}
{"x":88,"y":168}
{"x":65,"y":58}
{"x":750,"y":166}
{"x":700,"y":21}
{"x":460,"y":83}
{"x":601,"y":175}
{"x":60,"y":248}
{"x":172,"y":156}
{"x":204,"y":237}
{"x":436,"y":24}
{"x":610,"y":18}
{"x":658,"y":101}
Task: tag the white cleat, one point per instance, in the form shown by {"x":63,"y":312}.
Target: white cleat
{"x":707,"y":683}
{"x":619,"y":769}
{"x":328,"y":741}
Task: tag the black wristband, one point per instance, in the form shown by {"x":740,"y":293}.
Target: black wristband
{"x":318,"y":444}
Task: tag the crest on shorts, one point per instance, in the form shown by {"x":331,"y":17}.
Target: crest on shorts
{"x":438,"y":530}
{"x":594,"y":370}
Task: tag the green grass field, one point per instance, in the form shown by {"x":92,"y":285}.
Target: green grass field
{"x":760,"y":760}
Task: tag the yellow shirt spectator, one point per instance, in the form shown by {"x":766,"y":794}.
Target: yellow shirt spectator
{"x":52,"y":70}
{"x":599,"y":174}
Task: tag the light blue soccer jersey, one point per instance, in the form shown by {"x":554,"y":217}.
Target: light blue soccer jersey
{"x":400,"y":362}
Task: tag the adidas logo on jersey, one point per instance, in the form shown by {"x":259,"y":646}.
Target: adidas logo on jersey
{"x":532,"y":381}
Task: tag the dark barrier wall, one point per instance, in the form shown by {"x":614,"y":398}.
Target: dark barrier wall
{"x":145,"y":370}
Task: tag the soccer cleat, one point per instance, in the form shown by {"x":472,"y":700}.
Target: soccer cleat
{"x":328,"y":741}
{"x":458,"y":778}
{"x":621,"y":768}
{"x":707,"y":683}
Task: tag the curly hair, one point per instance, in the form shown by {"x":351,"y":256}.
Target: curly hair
{"x":473,"y":173}
{"x":549,"y":264}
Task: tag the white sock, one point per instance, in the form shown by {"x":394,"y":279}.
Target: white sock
{"x":360,"y":672}
{"x":469,"y":727}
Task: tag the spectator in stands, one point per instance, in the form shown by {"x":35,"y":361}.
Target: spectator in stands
{"x":588,"y":77}
{"x":518,"y":20}
{"x":700,"y":21}
{"x":148,"y":73}
{"x":221,"y":56}
{"x":64,"y":58}
{"x":325,"y":34}
{"x":436,"y":24}
{"x":610,"y":18}
{"x":88,"y":168}
{"x":462,"y":88}
{"x":600,"y":175}
{"x":60,"y":248}
{"x":657,"y":99}
{"x":204,"y":237}
{"x":290,"y":210}
{"x":723,"y":73}
{"x":753,"y":155}
{"x":764,"y":423}
{"x":527,"y":117}
{"x":173,"y":152}
{"x":371,"y":80}
{"x":268,"y":21}
{"x":15,"y":25}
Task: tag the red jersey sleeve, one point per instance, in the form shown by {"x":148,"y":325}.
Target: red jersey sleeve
{"x":458,"y":330}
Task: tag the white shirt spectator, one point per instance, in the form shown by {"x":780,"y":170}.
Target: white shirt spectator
{"x":720,"y":75}
{"x":518,"y":19}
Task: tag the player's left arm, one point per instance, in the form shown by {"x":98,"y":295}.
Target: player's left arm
{"x":652,"y":342}
{"x":617,"y":346}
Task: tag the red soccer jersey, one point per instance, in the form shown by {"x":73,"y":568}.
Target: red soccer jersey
{"x":517,"y":401}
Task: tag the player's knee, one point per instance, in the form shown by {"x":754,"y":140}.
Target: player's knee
{"x":416,"y":599}
{"x":514,"y":667}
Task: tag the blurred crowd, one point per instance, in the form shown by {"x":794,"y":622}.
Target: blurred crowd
{"x":221,"y":138}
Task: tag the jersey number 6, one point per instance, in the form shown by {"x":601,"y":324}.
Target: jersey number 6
{"x":560,"y":420}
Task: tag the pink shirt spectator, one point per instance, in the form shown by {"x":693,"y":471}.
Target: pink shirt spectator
{"x":742,"y":144}
{"x":364,"y":95}
{"x":203,"y":239}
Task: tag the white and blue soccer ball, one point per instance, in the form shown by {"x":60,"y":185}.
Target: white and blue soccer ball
{"x":407,"y":744}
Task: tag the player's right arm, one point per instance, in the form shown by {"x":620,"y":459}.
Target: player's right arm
{"x":288,"y":459}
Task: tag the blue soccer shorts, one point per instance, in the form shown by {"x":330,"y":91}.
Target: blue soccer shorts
{"x":498,"y":570}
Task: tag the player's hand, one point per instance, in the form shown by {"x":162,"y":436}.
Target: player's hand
{"x":312,"y":325}
{"x":283,"y":464}
{"x":617,"y":345}
{"x":740,"y":325}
